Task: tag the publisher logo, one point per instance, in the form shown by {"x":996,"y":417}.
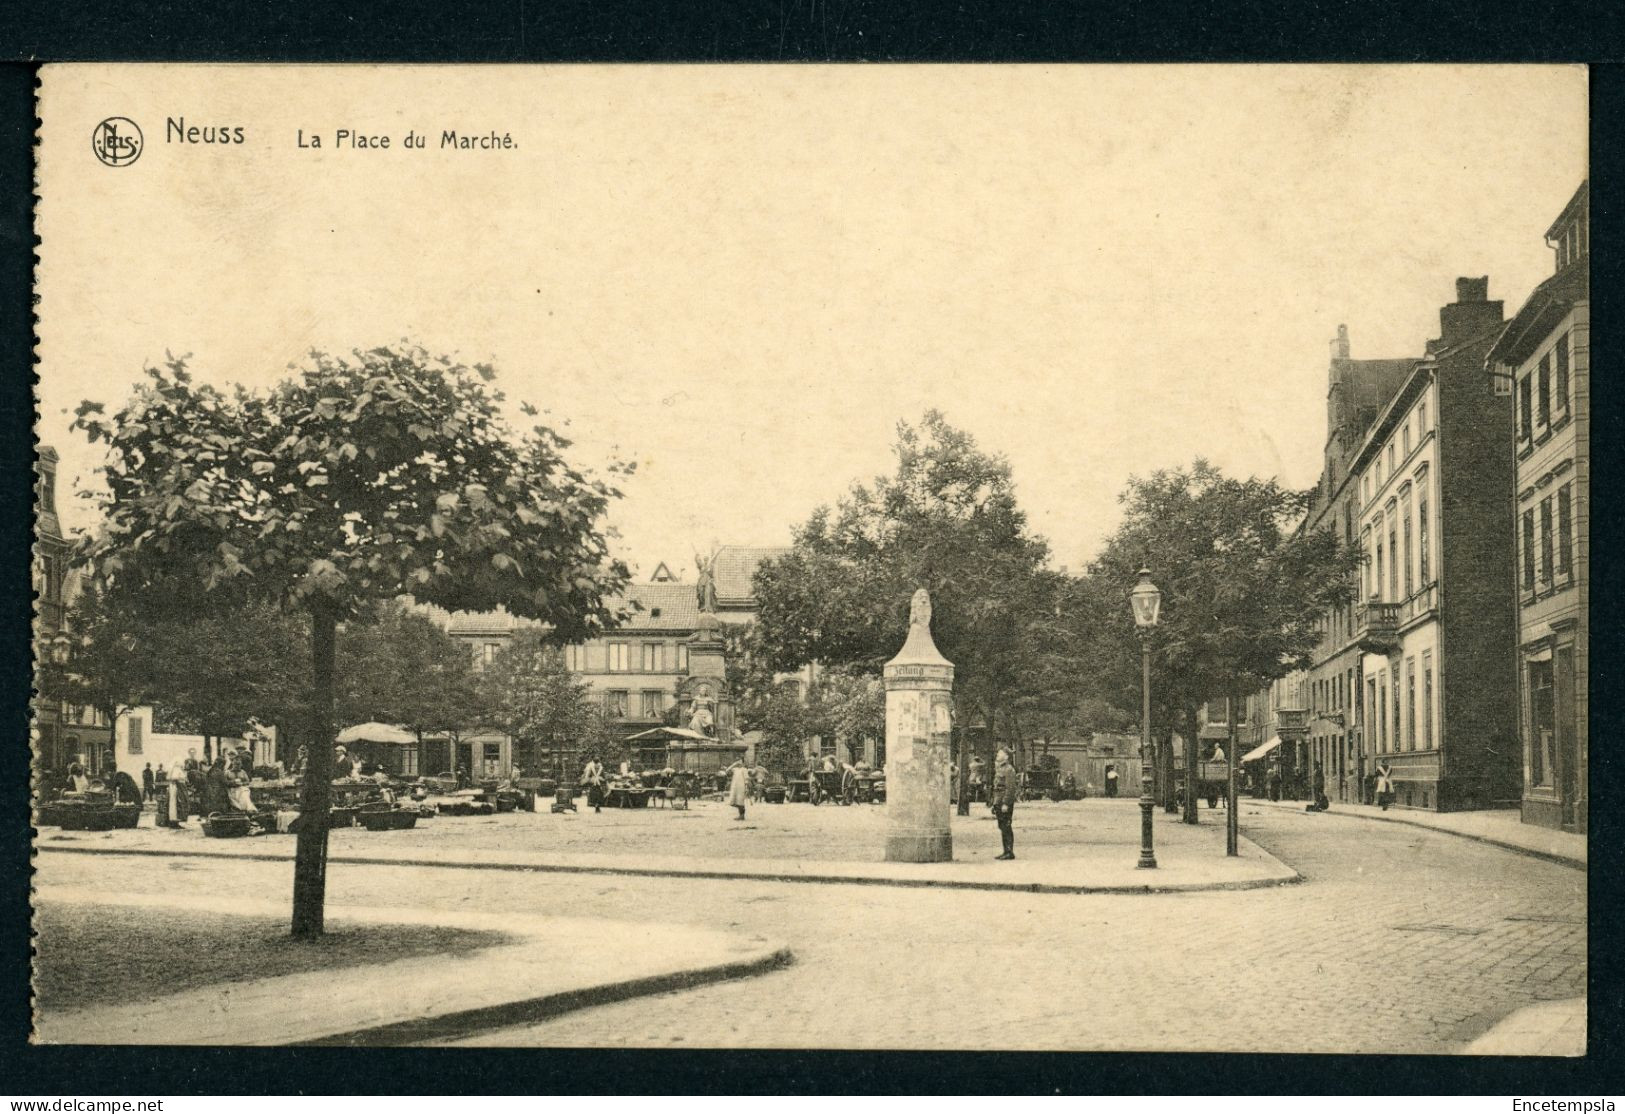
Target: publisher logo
{"x":117,"y":141}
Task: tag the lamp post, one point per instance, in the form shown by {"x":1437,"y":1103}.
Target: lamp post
{"x":1147,"y":603}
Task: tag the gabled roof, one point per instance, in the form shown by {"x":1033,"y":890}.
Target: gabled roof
{"x":734,"y":566}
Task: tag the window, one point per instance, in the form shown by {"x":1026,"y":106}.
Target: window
{"x":1393,"y":686}
{"x":1423,"y":559}
{"x":1561,"y":387}
{"x":492,"y":755}
{"x":615,"y":703}
{"x":1546,"y":540}
{"x":409,"y":761}
{"x":1542,"y":723}
{"x":134,"y":740}
{"x":652,"y":657}
{"x":1427,"y":699}
{"x":1543,"y":395}
{"x":1406,"y":434}
{"x":1410,"y":703}
{"x":489,"y":652}
{"x":1421,"y":419}
{"x":1393,"y":557}
{"x":1382,"y":714}
{"x":575,"y":659}
{"x":682,"y":657}
{"x":1525,"y":419}
{"x":47,"y":492}
{"x":1371,"y":708}
{"x":1406,"y":514}
{"x":1528,"y":551}
{"x":1365,"y":566}
{"x":618,"y":662}
{"x":1565,"y":531}
{"x":1376,"y":589}
{"x":651,"y":708}
{"x":1390,"y":458}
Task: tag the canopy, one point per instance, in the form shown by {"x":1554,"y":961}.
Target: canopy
{"x":376,"y":733}
{"x":1260,"y":751}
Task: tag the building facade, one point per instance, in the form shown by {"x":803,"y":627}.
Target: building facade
{"x":1326,"y":695}
{"x":1542,"y":361}
{"x":62,"y":734}
{"x":1435,"y":617}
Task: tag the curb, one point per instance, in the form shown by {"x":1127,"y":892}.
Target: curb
{"x":502,"y":1004}
{"x":1530,"y":852}
{"x":529,"y":1011}
{"x":1292,"y":877}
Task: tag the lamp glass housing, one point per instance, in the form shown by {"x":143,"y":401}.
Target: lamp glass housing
{"x":1147,"y":601}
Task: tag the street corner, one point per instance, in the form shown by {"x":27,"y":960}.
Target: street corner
{"x":377,"y":977}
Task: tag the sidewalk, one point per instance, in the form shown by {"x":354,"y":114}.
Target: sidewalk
{"x":1189,"y":859}
{"x":555,"y":965}
{"x":1545,"y":1029}
{"x":1499,"y":827}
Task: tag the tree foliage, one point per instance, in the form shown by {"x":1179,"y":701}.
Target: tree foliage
{"x":1244,"y":589}
{"x":529,"y":694}
{"x":946,"y":520}
{"x":355,"y":479}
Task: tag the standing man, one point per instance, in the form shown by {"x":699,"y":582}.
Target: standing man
{"x":146,"y":783}
{"x":592,"y":776}
{"x":1006,"y":788}
{"x":978,"y":778}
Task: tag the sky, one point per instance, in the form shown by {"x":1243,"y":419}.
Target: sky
{"x":743,"y":277}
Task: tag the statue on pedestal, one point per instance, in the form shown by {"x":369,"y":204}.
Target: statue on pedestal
{"x":705,"y":587}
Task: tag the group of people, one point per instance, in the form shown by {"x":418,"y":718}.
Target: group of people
{"x":204,"y":786}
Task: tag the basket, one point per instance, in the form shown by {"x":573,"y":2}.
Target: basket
{"x":107,"y":818}
{"x":394,"y":820}
{"x":218,"y":825}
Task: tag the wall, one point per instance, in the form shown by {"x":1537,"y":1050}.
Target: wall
{"x":170,"y":750}
{"x":1478,"y":676}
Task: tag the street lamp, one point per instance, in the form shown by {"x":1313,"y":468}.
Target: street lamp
{"x":1147,"y":601}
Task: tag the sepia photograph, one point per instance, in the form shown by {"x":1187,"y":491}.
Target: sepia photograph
{"x":1075,"y":558}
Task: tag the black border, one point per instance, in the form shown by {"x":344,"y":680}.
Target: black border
{"x":796,"y":31}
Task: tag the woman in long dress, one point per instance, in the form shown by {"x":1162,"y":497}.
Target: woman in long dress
{"x":739,"y":787}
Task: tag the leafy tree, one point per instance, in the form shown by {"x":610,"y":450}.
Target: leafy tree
{"x":528,"y":693}
{"x":398,"y":666}
{"x":946,"y":520}
{"x":854,"y":707}
{"x":107,"y":668}
{"x":1243,"y":591}
{"x":356,"y":479}
{"x":786,"y":722}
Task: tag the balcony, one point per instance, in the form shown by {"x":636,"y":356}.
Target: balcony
{"x":1420,"y":604}
{"x":1291,"y":723}
{"x":1376,"y":626}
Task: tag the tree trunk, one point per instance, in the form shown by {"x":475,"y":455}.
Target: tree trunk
{"x":1232,"y":831}
{"x":1192,"y":781}
{"x":1165,"y":774}
{"x":963,"y":750}
{"x":310,"y":852}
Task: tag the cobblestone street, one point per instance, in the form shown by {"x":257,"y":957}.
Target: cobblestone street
{"x":1398,"y":940}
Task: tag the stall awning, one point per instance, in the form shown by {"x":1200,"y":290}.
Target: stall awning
{"x":1260,"y":751}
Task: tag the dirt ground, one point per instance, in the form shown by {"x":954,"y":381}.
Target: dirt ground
{"x":172,"y":952}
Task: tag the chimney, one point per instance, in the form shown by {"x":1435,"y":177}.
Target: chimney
{"x":1340,"y":346}
{"x":1470,"y":314}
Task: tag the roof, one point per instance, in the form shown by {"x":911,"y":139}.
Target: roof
{"x":1581,"y":197}
{"x":663,"y":607}
{"x":1545,"y":306}
{"x":734,"y":567}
